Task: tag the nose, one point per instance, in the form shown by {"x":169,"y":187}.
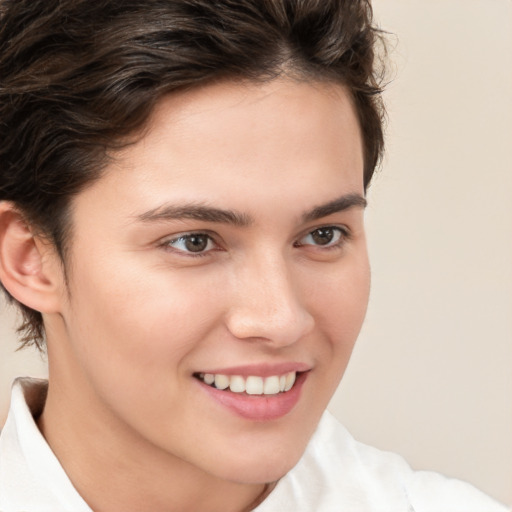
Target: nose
{"x":267,"y":305}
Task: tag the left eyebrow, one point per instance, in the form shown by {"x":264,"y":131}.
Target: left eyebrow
{"x":337,"y":205}
{"x":196,"y":212}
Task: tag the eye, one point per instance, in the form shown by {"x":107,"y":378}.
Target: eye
{"x":192,"y":243}
{"x":329,"y":236}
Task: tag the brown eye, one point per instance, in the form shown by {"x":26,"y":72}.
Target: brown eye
{"x":329,"y":236}
{"x":323,"y":236}
{"x":196,"y":243}
{"x":192,"y":243}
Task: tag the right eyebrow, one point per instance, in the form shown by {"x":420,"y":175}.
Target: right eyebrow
{"x":340,"y":204}
{"x":197,"y":212}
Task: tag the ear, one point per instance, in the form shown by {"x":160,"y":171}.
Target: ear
{"x":29,"y":267}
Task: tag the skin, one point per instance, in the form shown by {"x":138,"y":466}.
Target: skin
{"x":139,"y":315}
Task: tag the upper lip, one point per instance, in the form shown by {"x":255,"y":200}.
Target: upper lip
{"x":261,"y":370}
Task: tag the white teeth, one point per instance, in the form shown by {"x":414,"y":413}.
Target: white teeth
{"x":221,"y":381}
{"x":290,"y":381}
{"x":252,"y":385}
{"x":271,"y":386}
{"x":237,"y":384}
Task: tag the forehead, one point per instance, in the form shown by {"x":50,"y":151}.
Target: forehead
{"x":240,"y":118}
{"x":244,"y":144}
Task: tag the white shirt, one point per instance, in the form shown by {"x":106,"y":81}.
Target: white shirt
{"x":335,"y":474}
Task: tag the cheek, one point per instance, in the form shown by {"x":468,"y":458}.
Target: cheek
{"x":354,"y":295}
{"x":343,"y":294}
{"x":133,"y":335}
{"x":140,"y":319}
{"x":340,"y":308}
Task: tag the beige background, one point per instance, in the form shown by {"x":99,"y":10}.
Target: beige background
{"x":431,"y":375}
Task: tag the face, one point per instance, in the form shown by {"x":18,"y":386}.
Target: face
{"x":226,"y":245}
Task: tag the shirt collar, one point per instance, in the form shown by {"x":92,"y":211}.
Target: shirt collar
{"x":31,"y":477}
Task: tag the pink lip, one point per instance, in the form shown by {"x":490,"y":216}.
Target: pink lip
{"x":257,"y":407}
{"x":261,"y":370}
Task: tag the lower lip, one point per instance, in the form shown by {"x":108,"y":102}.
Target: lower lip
{"x":258,"y":407}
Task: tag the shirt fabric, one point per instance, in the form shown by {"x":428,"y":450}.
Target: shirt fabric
{"x":335,"y":474}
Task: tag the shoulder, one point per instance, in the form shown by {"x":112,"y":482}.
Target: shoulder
{"x":338,"y":473}
{"x":423,"y":491}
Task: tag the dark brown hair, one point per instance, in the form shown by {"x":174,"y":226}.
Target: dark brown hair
{"x":78,"y":76}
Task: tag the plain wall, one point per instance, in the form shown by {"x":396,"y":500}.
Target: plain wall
{"x":431,"y":375}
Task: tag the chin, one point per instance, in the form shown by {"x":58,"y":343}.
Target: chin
{"x":261,"y":465}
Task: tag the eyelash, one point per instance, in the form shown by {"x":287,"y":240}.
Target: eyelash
{"x":343,"y":231}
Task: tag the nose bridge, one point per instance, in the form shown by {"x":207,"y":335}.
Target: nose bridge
{"x":268,"y":301}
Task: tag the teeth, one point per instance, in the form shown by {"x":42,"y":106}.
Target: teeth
{"x":252,"y":385}
{"x":271,"y":386}
{"x":237,"y":384}
{"x":221,"y":381}
{"x":290,"y":381}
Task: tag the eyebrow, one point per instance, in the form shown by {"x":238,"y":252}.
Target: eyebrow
{"x":338,"y":205}
{"x":206,"y":213}
{"x":196,"y":212}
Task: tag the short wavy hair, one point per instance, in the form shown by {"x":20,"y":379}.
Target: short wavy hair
{"x":79,"y":76}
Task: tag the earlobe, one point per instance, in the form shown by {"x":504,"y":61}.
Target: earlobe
{"x":26,"y":269}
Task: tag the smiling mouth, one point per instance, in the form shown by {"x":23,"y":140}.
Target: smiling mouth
{"x":251,"y":385}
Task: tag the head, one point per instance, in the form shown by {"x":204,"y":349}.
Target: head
{"x":98,"y":100}
{"x":79,"y":78}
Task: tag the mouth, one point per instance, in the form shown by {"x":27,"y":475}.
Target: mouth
{"x":254,"y":397}
{"x":250,"y":385}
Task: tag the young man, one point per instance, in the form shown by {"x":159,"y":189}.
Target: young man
{"x":182,"y":189}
